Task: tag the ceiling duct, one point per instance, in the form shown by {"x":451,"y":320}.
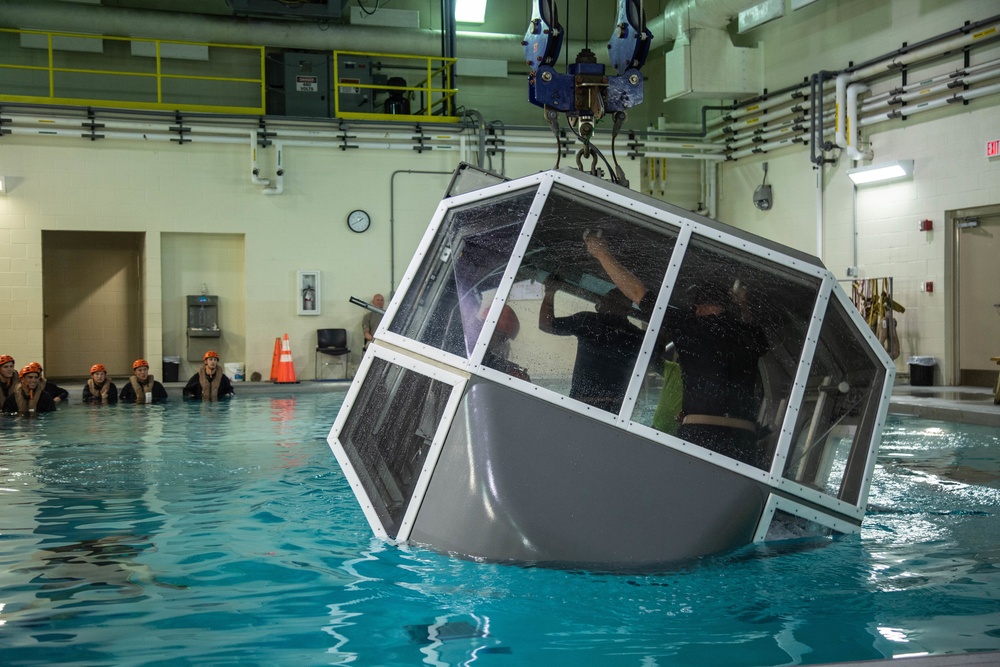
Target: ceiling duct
{"x":300,"y":9}
{"x":703,"y":62}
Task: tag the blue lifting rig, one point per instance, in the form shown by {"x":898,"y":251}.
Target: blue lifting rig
{"x":586,"y":93}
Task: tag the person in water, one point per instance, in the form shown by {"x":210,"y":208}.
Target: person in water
{"x":142,"y":387}
{"x":209,"y":383}
{"x":8,"y":377}
{"x":57,"y":393}
{"x":27,"y":399}
{"x":99,"y":389}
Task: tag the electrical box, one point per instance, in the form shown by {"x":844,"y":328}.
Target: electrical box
{"x":352,"y":71}
{"x":298,"y":84}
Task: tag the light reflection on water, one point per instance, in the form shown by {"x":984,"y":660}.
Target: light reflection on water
{"x":225,"y":534}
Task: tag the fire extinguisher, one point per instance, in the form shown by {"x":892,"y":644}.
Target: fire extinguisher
{"x":308,"y":296}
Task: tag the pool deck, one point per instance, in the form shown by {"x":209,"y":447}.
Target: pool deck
{"x":967,"y":405}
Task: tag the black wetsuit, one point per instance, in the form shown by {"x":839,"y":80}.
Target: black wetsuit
{"x":44,"y":404}
{"x":607,"y":347}
{"x":53,"y":390}
{"x":718,"y":356}
{"x":127,"y":392}
{"x":89,"y":397}
{"x":193,"y":389}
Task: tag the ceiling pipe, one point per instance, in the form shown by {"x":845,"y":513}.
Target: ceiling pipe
{"x":216,"y":29}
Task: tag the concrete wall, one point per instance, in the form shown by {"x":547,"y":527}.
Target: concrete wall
{"x":815,"y":211}
{"x":192,"y":201}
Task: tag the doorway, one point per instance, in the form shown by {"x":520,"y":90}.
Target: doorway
{"x":976,"y":313}
{"x":92,"y":302}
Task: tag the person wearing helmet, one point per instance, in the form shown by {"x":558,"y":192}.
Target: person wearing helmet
{"x":209,"y":383}
{"x":142,"y":387}
{"x":28,"y":400}
{"x":8,"y":377}
{"x":99,"y":389}
{"x":57,"y":393}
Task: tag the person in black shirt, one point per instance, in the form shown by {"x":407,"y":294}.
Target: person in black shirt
{"x":209,"y":383}
{"x":8,"y":377}
{"x":607,"y":346}
{"x":28,"y":399}
{"x":141,"y":387}
{"x":99,"y":389}
{"x":718,"y":355}
{"x":57,"y":393}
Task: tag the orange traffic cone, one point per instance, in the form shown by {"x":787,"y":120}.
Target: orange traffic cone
{"x":275,"y":358}
{"x":286,"y":369}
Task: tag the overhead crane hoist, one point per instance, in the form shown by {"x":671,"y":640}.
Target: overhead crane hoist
{"x":586,"y":93}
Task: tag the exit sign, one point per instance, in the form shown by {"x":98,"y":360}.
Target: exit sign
{"x":993,"y":148}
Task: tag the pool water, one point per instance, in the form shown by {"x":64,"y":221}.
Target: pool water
{"x":225,"y":534}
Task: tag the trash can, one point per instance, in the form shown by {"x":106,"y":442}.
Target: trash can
{"x":921,"y":371}
{"x":171,"y":367}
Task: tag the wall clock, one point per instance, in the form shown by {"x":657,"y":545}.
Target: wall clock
{"x":359,"y":221}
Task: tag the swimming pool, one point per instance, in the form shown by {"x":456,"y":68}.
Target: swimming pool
{"x":225,"y":534}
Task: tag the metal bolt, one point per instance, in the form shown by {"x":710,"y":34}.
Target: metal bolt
{"x":633,"y":79}
{"x":546,"y":76}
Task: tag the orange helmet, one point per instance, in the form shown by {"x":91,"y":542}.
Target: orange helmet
{"x":139,"y":363}
{"x":210,"y":353}
{"x":508,"y":323}
{"x":35,"y":367}
{"x":96,"y":368}
{"x":6,"y":359}
{"x":30,"y":368}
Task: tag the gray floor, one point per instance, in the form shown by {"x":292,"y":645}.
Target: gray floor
{"x":968,"y":405}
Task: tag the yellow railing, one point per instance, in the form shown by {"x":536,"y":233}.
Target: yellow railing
{"x":127,"y":77}
{"x":426,"y":100}
{"x":74,"y":69}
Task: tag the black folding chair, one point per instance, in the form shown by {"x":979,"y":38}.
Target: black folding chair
{"x":332,"y":342}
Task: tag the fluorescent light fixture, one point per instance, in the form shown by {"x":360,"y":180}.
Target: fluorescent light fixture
{"x":884,"y":171}
{"x":470,"y":11}
{"x":3,"y":185}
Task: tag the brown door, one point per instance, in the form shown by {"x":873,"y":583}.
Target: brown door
{"x":92,"y":300}
{"x":978,"y":316}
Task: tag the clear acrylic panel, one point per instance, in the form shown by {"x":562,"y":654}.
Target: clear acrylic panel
{"x":837,"y":418}
{"x":728,"y":350}
{"x":388,"y":434}
{"x":578,"y":334}
{"x":787,"y":526}
{"x":443,"y":307}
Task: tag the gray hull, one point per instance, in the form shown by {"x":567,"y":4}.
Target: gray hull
{"x":552,"y":487}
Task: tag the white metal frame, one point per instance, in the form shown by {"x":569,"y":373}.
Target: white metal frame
{"x":776,"y":502}
{"x":457,"y":383}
